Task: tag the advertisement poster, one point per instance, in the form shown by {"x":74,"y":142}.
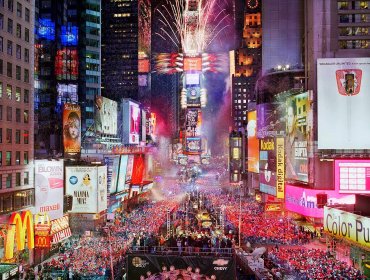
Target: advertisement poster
{"x":102,"y":188}
{"x":352,"y":176}
{"x":177,"y":267}
{"x":134,"y":123}
{"x":149,"y":167}
{"x":122,"y":174}
{"x":66,"y":64}
{"x":304,"y":201}
{"x":130,"y":168}
{"x":298,"y":133}
{"x":270,"y":120}
{"x":138,"y":170}
{"x":193,"y":145}
{"x":143,"y":125}
{"x":106,"y":115}
{"x":67,"y":93}
{"x":82,"y":183}
{"x":114,"y":178}
{"x":192,"y":64}
{"x":343,"y":84}
{"x":193,"y":97}
{"x":253,"y":144}
{"x":49,"y":188}
{"x":192,"y":124}
{"x":71,"y":129}
{"x":268,"y":166}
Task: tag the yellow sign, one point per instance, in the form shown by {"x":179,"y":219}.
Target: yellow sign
{"x":280,"y":168}
{"x":18,"y":225}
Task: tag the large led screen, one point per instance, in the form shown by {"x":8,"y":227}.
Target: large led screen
{"x":343,"y":87}
{"x":88,"y":186}
{"x":193,"y":97}
{"x":270,"y":120}
{"x":67,"y":93}
{"x":69,"y":36}
{"x":131,"y":122}
{"x":46,"y":29}
{"x":106,"y":115}
{"x":352,"y":176}
{"x":192,"y":64}
{"x":71,"y":128}
{"x":130,"y":168}
{"x":192,"y":78}
{"x":193,"y":145}
{"x":253,"y":144}
{"x":192,"y":123}
{"x":114,"y":178}
{"x":66,"y":64}
{"x":122,"y":174}
{"x":138,"y":170}
{"x":49,"y":188}
{"x":298,"y":132}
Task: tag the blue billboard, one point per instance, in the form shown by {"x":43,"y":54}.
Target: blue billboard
{"x":46,"y":29}
{"x":69,"y":36}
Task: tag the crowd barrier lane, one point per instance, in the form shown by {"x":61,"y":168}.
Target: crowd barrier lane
{"x":183,"y":251}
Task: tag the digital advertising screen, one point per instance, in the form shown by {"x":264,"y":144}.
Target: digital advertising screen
{"x":149,"y":167}
{"x":343,"y":85}
{"x":106,"y":115}
{"x":143,"y":126}
{"x":82,"y":184}
{"x":49,"y":189}
{"x":304,"y":201}
{"x":192,"y":123}
{"x":193,"y":144}
{"x":122,"y":173}
{"x":138,"y":169}
{"x":192,"y":64}
{"x":130,"y":168}
{"x":114,"y":179}
{"x":271,"y":120}
{"x":46,"y":29}
{"x":144,"y":65}
{"x":193,"y":97}
{"x":69,"y":35}
{"x":71,"y":129}
{"x":66,"y":64}
{"x":67,"y":93}
{"x":192,"y":78}
{"x":143,"y":80}
{"x":253,"y":144}
{"x":352,"y":176}
{"x":102,"y":188}
{"x":135,"y":121}
{"x":298,"y":133}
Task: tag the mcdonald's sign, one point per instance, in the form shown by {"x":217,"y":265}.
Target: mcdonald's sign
{"x":20,"y":226}
{"x":42,"y":230}
{"x":42,"y":241}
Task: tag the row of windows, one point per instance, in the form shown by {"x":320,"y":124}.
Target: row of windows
{"x":354,"y":44}
{"x":18,"y":28}
{"x":18,"y":180}
{"x":18,"y":72}
{"x":17,"y":95}
{"x":355,"y":5}
{"x":16,"y":201}
{"x":9,"y":159}
{"x":9,"y":114}
{"x":354,"y":18}
{"x":9,"y":135}
{"x":18,"y":50}
{"x":19,"y":9}
{"x":353,"y":31}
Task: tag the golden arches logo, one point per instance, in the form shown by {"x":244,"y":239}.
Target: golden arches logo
{"x":19,"y":226}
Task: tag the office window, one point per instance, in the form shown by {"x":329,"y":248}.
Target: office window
{"x":1,"y":44}
{"x":8,"y":135}
{"x":19,"y":9}
{"x":19,"y":31}
{"x":9,"y":92}
{"x":26,"y":137}
{"x":9,"y":113}
{"x":26,"y":55}
{"x":26,"y":178}
{"x":1,"y":21}
{"x":18,"y":94}
{"x":10,"y":5}
{"x":27,"y":34}
{"x":17,"y":158}
{"x":1,"y":67}
{"x":9,"y":47}
{"x":10,"y":26}
{"x":8,"y":185}
{"x":18,"y":52}
{"x":18,"y":136}
{"x":18,"y":71}
{"x":1,"y":135}
{"x":1,"y":114}
{"x":27,"y":15}
{"x":26,"y":75}
{"x":8,"y":159}
{"x":25,"y":158}
{"x":1,"y":90}
{"x":26,"y":95}
{"x":17,"y":179}
{"x":1,"y":180}
{"x":1,"y":163}
{"x":25,"y":115}
{"x":18,"y":115}
{"x":9,"y":69}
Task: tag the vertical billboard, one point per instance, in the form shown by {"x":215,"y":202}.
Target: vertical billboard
{"x":352,"y":176}
{"x":298,"y":133}
{"x":121,"y":186}
{"x":114,"y":178}
{"x":193,"y":97}
{"x":192,"y":123}
{"x":106,"y":116}
{"x":85,"y":184}
{"x":71,"y":129}
{"x":131,"y":121}
{"x":138,"y":169}
{"x":270,"y":120}
{"x":253,"y":144}
{"x":343,"y":85}
{"x":149,"y":167}
{"x":129,"y":170}
{"x":66,"y":64}
{"x":143,"y":126}
{"x":49,"y":188}
{"x":194,"y":145}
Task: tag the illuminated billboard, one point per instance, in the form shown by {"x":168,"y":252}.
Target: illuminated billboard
{"x":193,"y":97}
{"x":114,"y":178}
{"x":352,"y":176}
{"x":298,"y":133}
{"x":192,"y":124}
{"x":192,"y":78}
{"x":271,"y":168}
{"x":253,"y":144}
{"x":106,"y":115}
{"x":67,"y":93}
{"x":131,"y":119}
{"x":193,"y":144}
{"x":71,"y":129}
{"x":149,"y":167}
{"x":143,"y":80}
{"x":122,"y":174}
{"x":69,"y":35}
{"x":138,"y":170}
{"x":130,"y":168}
{"x":46,"y":29}
{"x":143,"y":126}
{"x":144,"y":65}
{"x":304,"y":201}
{"x":49,"y":188}
{"x":192,"y":64}
{"x":343,"y":85}
{"x":270,"y":121}
{"x":88,"y":187}
{"x":342,"y":224}
{"x":66,"y":64}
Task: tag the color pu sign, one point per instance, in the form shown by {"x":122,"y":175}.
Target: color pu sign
{"x":20,"y":226}
{"x":350,"y":226}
